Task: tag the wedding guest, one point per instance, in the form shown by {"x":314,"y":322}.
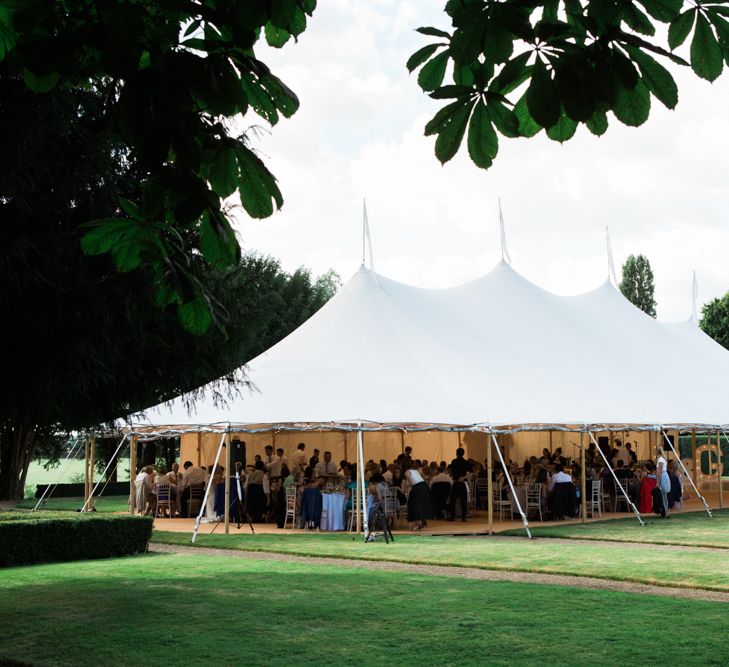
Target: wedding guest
{"x":459,"y":491}
{"x":326,"y":468}
{"x":420,"y":506}
{"x":192,"y":475}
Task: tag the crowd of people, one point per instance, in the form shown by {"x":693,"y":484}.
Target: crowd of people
{"x":428,"y":489}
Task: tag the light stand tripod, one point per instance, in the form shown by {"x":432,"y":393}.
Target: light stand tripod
{"x":240,"y":513}
{"x":379,"y":515}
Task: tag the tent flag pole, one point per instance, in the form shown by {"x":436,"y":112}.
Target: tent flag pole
{"x":62,"y":470}
{"x":685,"y":472}
{"x":511,"y":485}
{"x":362,"y":490}
{"x":103,"y":474}
{"x":207,"y":490}
{"x":617,"y":481}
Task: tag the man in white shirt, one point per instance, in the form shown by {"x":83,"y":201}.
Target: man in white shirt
{"x":442,"y":476}
{"x":326,"y":468}
{"x":192,"y":475}
{"x":282,"y":459}
{"x":271,"y":463}
{"x":559,"y":477}
{"x":623,"y":454}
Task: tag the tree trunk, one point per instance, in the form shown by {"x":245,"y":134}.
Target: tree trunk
{"x":17,"y":442}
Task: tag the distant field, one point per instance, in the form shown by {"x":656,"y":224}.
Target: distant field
{"x":73,"y":471}
{"x":107,"y":504}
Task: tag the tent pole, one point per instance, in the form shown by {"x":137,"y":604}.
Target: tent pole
{"x":693,"y":449}
{"x":583,"y":478}
{"x":680,"y":462}
{"x":86,"y":471}
{"x":358,"y":505}
{"x":207,"y":488}
{"x":617,"y":481}
{"x":227,"y":482}
{"x":360,"y":453}
{"x":489,"y":490}
{"x":90,"y":500}
{"x":132,"y":474}
{"x":346,"y":458}
{"x":511,"y":485}
{"x":718,"y":468}
{"x":103,"y":474}
{"x":199,"y":448}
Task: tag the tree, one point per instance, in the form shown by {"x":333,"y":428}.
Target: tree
{"x":522,"y":66}
{"x":88,"y":343}
{"x":637,"y":284}
{"x":170,"y":77}
{"x":715,"y":320}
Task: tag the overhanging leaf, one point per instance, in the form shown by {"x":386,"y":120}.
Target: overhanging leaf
{"x":195,"y":315}
{"x":483,"y":144}
{"x":528,"y":127}
{"x":598,"y":124}
{"x":541,"y":97}
{"x":420,"y":56}
{"x":632,"y":106}
{"x":224,"y":173}
{"x":656,"y":77}
{"x":431,"y":76}
{"x":259,"y":192}
{"x":706,"y":57}
{"x":563,"y":130}
{"x":451,"y":131}
{"x":680,"y":28}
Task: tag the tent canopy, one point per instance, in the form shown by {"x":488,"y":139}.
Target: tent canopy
{"x":498,"y":350}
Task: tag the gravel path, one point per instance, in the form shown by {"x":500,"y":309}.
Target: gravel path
{"x":462,"y":572}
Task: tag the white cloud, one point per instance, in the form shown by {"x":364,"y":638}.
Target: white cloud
{"x":661,"y":188}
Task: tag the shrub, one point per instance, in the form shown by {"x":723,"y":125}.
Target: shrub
{"x":45,"y":537}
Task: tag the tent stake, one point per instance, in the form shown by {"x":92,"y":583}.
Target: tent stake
{"x":207,"y":489}
{"x":680,"y":462}
{"x":617,"y":481}
{"x":511,"y":485}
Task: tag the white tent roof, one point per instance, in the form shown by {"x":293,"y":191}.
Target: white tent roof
{"x":497,"y":350}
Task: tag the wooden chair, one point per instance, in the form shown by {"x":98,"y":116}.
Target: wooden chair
{"x":471,"y":484}
{"x":619,"y":497}
{"x":164,"y":498}
{"x":534,"y":499}
{"x":482,"y":492}
{"x":197,"y":491}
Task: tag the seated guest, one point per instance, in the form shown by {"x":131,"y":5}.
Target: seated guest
{"x":563,"y":497}
{"x":218,"y":488}
{"x":646,"y":489}
{"x":546,"y":457}
{"x":174,"y":474}
{"x":144,"y":488}
{"x":375,"y":495}
{"x":621,"y":472}
{"x":351,"y":487}
{"x":676,"y":492}
{"x":559,"y":477}
{"x":255,"y":497}
{"x":633,"y":456}
{"x":326,"y":468}
{"x":192,"y":475}
{"x":311,"y":504}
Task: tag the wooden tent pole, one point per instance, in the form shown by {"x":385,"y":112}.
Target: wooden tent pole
{"x":199,"y":447}
{"x":489,"y":490}
{"x":693,"y":450}
{"x":227,"y":483}
{"x":718,"y":468}
{"x":132,"y":475}
{"x":92,"y":447}
{"x":583,"y":477}
{"x":86,"y":471}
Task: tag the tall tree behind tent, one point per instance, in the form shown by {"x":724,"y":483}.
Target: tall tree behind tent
{"x":637,"y":283}
{"x":86,"y":343}
{"x":715,"y":320}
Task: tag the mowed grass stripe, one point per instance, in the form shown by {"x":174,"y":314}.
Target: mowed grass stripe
{"x":181,"y":609}
{"x":642,"y":564}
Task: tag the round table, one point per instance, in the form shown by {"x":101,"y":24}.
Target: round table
{"x":334,"y":505}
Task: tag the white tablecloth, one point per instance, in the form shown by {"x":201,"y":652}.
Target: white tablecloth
{"x":333,"y":504}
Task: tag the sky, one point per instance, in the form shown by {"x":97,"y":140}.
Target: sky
{"x":662,"y":189}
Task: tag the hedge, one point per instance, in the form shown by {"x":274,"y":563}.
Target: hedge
{"x":76,"y":490}
{"x":46,"y":537}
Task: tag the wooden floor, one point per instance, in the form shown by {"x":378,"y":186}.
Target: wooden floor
{"x":477,"y":525}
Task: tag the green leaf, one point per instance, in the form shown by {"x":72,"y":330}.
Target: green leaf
{"x":224,"y":173}
{"x":563,"y":130}
{"x":663,"y":10}
{"x":195,"y":315}
{"x":706,"y":56}
{"x":217,"y":241}
{"x":442,"y":116}
{"x":130,"y":208}
{"x":451,"y":131}
{"x":483,"y":144}
{"x":503,"y":118}
{"x":722,"y":31}
{"x":498,"y":44}
{"x":467,"y":40}
{"x":598,"y":124}
{"x":449,"y":92}
{"x":259,"y":98}
{"x":541,"y":96}
{"x":276,"y":36}
{"x":432,"y":32}
{"x":656,"y":77}
{"x":259,"y":192}
{"x":431,"y":76}
{"x":680,"y":28}
{"x":420,"y":56}
{"x":7,"y":36}
{"x":632,"y":106}
{"x":40,"y":83}
{"x":513,"y":74}
{"x":637,"y":20}
{"x":103,"y":234}
{"x":528,"y":127}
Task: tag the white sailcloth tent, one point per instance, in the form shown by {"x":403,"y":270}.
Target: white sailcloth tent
{"x":497,"y":351}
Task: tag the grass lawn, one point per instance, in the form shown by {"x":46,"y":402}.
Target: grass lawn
{"x":690,"y":529}
{"x":73,"y":472}
{"x":655,"y":565}
{"x":183,"y":609}
{"x":107,"y":504}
